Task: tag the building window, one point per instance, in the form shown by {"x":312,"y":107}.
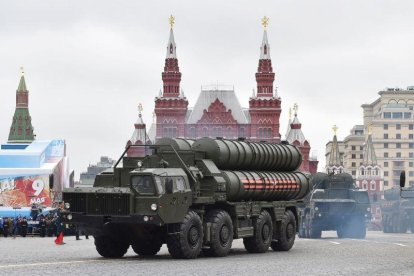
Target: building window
{"x":170,"y":132}
{"x":410,"y":127}
{"x":192,"y":133}
{"x":398,"y":136}
{"x":387,"y":115}
{"x":397,"y":115}
{"x":410,"y":136}
{"x":385,"y":164}
{"x":364,"y":184}
{"x":361,"y":148}
{"x":398,"y":145}
{"x":385,"y":145}
{"x":407,"y":115}
{"x":385,"y":136}
{"x":385,"y":126}
{"x":385,"y":183}
{"x":373,"y":186}
{"x":353,"y":147}
{"x":205,"y":131}
{"x":411,"y":173}
{"x":353,"y":172}
{"x":386,"y":154}
{"x":398,"y":155}
{"x":353,"y":164}
{"x":229,"y":132}
{"x":411,"y":154}
{"x":241,"y":133}
{"x":385,"y":173}
{"x":398,"y":126}
{"x":396,"y":173}
{"x":361,"y":156}
{"x":353,"y":156}
{"x":411,"y":164}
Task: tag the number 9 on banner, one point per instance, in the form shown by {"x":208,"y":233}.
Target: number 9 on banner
{"x":38,"y":186}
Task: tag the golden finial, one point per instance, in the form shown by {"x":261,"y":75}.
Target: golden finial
{"x":295,"y":108}
{"x":265,"y":21}
{"x":140,"y":108}
{"x":335,"y":129}
{"x":172,"y":21}
{"x":22,"y":70}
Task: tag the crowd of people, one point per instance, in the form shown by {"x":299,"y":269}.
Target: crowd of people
{"x":44,"y":225}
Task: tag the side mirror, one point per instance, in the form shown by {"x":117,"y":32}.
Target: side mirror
{"x":169,"y":186}
{"x":51,"y":181}
{"x":402,"y":179}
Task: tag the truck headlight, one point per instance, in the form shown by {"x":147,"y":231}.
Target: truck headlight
{"x":139,"y":164}
{"x":154,"y":207}
{"x":146,"y":218}
{"x":67,"y":205}
{"x":316,"y":208}
{"x":69,"y":216}
{"x":368,"y":209}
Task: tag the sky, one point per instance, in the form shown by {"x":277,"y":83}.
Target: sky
{"x":88,"y":64}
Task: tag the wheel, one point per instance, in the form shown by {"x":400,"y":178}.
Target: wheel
{"x":262,"y":237}
{"x":187,"y":242}
{"x":221,"y":233}
{"x":147,"y":247}
{"x":286,"y":232}
{"x":315,"y":232}
{"x":110,"y":248}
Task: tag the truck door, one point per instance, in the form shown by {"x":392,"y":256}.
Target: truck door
{"x":176,"y":200}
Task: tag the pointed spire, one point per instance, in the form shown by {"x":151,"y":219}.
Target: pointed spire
{"x":265,"y":76}
{"x":370,"y":159}
{"x":265,"y":48}
{"x":22,"y":83}
{"x":171,"y":47}
{"x":334,"y":158}
{"x":295,"y":128}
{"x":21,"y":130}
{"x":171,"y":76}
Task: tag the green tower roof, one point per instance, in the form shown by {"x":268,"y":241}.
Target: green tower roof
{"x":21,"y":130}
{"x":22,"y":85}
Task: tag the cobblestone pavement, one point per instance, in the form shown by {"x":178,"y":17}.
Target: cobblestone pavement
{"x":379,"y":254}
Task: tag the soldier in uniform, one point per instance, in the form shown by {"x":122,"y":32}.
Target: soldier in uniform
{"x":42,"y":226}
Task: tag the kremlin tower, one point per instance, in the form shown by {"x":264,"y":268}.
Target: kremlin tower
{"x":21,"y":130}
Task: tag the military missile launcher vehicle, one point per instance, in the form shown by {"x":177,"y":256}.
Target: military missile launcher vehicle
{"x":397,"y":209}
{"x":194,"y":196}
{"x":335,"y":203}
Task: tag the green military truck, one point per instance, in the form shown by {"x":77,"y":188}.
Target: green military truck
{"x":397,"y":208}
{"x":335,"y":203}
{"x":194,"y":196}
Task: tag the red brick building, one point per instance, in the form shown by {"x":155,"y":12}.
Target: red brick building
{"x":217,"y":111}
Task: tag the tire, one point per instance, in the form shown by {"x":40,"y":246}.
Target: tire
{"x":262,"y":237}
{"x":110,"y":248}
{"x":147,"y":247}
{"x":286,"y":232}
{"x":187,"y":242}
{"x":221,"y":233}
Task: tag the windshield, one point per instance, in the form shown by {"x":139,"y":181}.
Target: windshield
{"x":143,"y":184}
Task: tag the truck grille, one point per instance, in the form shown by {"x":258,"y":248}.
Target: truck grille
{"x":98,"y":203}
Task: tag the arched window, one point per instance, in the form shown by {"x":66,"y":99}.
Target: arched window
{"x":265,"y":49}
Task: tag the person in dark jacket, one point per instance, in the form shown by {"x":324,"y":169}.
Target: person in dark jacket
{"x":23,"y":227}
{"x":5,"y":227}
{"x":42,"y":227}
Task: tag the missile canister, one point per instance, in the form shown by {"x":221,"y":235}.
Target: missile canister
{"x":392,"y":194}
{"x":243,"y":155}
{"x":254,"y":185}
{"x":176,"y":143}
